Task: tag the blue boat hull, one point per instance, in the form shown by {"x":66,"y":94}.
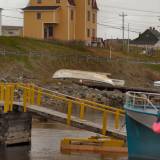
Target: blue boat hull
{"x":142,"y":141}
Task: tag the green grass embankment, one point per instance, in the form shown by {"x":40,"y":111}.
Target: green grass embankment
{"x":55,"y":55}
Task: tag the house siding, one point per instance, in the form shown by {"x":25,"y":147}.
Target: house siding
{"x":65,"y":28}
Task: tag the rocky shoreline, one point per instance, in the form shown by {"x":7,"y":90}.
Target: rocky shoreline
{"x":110,"y":98}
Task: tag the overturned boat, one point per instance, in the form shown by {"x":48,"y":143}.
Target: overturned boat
{"x":87,"y":77}
{"x":142,"y":116}
{"x":157,"y":84}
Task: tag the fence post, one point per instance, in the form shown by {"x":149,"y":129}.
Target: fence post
{"x":69,"y":113}
{"x":4,"y":53}
{"x":82,"y":111}
{"x":104,"y":129}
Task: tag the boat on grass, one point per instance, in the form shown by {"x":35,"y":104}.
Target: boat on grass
{"x":98,"y":78}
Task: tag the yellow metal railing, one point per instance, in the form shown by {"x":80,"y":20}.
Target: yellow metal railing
{"x":31,"y":94}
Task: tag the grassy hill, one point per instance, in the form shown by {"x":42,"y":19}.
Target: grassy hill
{"x":36,"y":61}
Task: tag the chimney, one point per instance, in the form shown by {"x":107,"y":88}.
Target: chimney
{"x":0,"y":21}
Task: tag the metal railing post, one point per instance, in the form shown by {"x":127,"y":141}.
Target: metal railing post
{"x":25,"y":100}
{"x":2,"y":92}
{"x":134,"y":99}
{"x":28,"y":94}
{"x":69,"y":113}
{"x":32,"y":94}
{"x":6,"y":99}
{"x":104,"y":129}
{"x":39,"y":96}
{"x":82,"y":109}
{"x":11,"y":97}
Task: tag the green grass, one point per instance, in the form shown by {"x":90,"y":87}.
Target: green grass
{"x":39,"y":69}
{"x":26,"y":45}
{"x":155,"y":67}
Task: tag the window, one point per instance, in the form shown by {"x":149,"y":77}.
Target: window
{"x":93,"y":33}
{"x":89,"y":2}
{"x":89,"y":15}
{"x":39,"y":1}
{"x":10,"y":32}
{"x":88,"y":32}
{"x":39,"y":15}
{"x":72,"y":15}
{"x":58,"y":1}
{"x":94,"y":18}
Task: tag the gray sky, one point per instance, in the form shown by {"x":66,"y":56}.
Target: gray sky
{"x":108,"y":15}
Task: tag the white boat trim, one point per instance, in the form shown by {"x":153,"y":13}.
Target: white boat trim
{"x":143,"y":118}
{"x":157,"y":83}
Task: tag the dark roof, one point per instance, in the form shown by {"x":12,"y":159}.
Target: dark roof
{"x":155,"y":33}
{"x":72,"y":2}
{"x":149,"y":37}
{"x":41,"y":8}
{"x":94,"y":4}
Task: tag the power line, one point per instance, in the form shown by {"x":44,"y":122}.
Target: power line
{"x":126,"y":26}
{"x":115,"y":27}
{"x":130,"y":19}
{"x":7,"y":16}
{"x":140,"y":21}
{"x":149,"y":16}
{"x":132,"y":9}
{"x":13,"y":10}
{"x":132,"y":15}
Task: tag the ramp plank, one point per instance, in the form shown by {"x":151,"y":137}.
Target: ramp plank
{"x":75,"y":122}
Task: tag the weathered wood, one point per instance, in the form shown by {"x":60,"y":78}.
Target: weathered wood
{"x":93,"y":149}
{"x":75,"y":122}
{"x":15,"y":128}
{"x":17,"y":141}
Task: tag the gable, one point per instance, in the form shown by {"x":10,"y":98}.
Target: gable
{"x":146,"y":38}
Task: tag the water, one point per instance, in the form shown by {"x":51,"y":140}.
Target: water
{"x":45,"y":145}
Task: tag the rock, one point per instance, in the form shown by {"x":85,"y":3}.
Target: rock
{"x":112,"y":98}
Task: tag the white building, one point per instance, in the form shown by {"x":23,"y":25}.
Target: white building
{"x":11,"y":31}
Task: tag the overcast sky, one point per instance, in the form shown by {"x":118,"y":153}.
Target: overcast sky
{"x":141,"y":14}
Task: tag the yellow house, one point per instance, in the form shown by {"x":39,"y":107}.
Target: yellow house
{"x":65,"y":20}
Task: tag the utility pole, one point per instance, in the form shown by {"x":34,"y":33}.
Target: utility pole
{"x":158,"y":20}
{"x":0,"y":21}
{"x":110,"y":48}
{"x":128,"y":48}
{"x":123,"y":15}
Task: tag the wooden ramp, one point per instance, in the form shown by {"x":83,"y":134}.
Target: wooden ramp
{"x":75,"y":122}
